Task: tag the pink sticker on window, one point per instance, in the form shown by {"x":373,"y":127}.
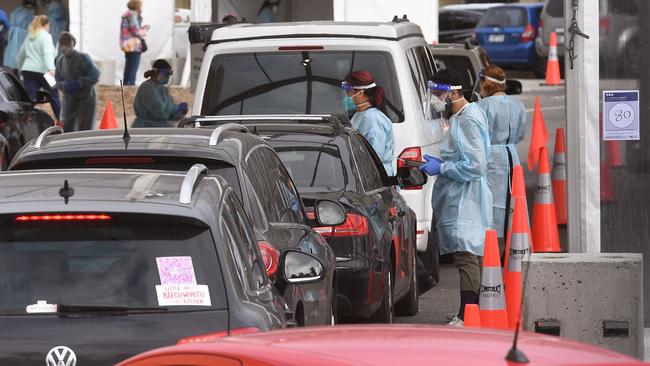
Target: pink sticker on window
{"x":176,"y":270}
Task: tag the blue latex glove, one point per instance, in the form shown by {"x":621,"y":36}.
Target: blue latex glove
{"x":432,"y":165}
{"x":71,"y":87}
{"x":182,"y":108}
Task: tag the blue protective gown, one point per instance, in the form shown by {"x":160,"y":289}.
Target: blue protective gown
{"x":59,"y":19}
{"x":461,"y":199}
{"x":153,"y":105}
{"x":77,"y":110}
{"x":378,"y":130}
{"x":20,"y":20}
{"x":507,"y":126}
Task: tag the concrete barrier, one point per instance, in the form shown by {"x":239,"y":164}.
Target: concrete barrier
{"x":592,"y":298}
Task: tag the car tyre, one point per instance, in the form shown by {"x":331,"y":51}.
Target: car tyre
{"x":410,"y":304}
{"x":384,"y":313}
{"x":432,"y":254}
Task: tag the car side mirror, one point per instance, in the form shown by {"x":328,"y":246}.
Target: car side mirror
{"x":301,"y":268}
{"x":513,"y":87}
{"x":407,"y":177}
{"x":329,"y":213}
{"x":43,"y":97}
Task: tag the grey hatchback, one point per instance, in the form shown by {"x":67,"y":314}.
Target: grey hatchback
{"x":102,"y":264}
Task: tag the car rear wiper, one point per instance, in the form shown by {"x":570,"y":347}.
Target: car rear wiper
{"x":100,"y":309}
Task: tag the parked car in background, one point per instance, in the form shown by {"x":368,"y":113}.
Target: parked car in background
{"x":247,"y":163}
{"x":508,"y":32}
{"x":375,"y":247}
{"x":297,"y":68}
{"x":478,"y":7}
{"x":20,"y":121}
{"x":381,"y":345}
{"x":550,"y":20}
{"x":106,"y":264}
{"x":456,"y":25}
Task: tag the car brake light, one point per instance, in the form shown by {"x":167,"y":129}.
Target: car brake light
{"x":528,"y":34}
{"x":603,"y":23}
{"x":410,"y":154}
{"x":64,"y":217}
{"x":218,"y":335}
{"x":354,"y":225}
{"x":270,"y":256}
{"x":541,"y":26}
{"x":300,"y":48}
{"x":119,"y":160}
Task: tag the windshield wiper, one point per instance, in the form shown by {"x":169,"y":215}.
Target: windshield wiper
{"x":100,"y":309}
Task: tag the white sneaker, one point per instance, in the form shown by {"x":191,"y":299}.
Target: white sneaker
{"x":451,"y":316}
{"x":456,"y":322}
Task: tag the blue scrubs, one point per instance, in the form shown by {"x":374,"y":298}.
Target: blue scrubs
{"x":153,"y":105}
{"x":378,"y":130}
{"x":59,"y":20}
{"x":20,"y":20}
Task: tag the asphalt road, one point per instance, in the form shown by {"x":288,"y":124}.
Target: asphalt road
{"x":444,"y":299}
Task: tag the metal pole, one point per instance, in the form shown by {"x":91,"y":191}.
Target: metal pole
{"x":583,"y":130}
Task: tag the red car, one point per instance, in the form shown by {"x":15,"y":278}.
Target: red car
{"x":380,"y":345}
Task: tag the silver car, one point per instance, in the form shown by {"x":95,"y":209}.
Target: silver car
{"x":550,"y":20}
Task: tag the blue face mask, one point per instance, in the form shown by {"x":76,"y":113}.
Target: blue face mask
{"x":348,"y":103}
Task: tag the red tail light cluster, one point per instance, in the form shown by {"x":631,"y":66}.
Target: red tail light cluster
{"x":541,"y":26}
{"x":354,"y":225}
{"x":64,"y":217}
{"x":270,"y":256}
{"x":528,"y":34}
{"x":218,"y":335}
{"x":410,"y":154}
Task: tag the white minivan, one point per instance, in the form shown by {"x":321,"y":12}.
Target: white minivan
{"x":297,"y":68}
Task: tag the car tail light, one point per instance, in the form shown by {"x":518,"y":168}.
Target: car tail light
{"x":603,"y":23}
{"x":116,"y":160}
{"x":541,"y":26}
{"x":354,"y":225}
{"x":300,"y":48}
{"x":218,"y":335}
{"x":410,"y":154}
{"x":64,"y":217}
{"x":270,"y":256}
{"x":528,"y":34}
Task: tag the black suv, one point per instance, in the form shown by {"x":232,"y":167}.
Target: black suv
{"x":375,"y":246}
{"x":102,"y":264}
{"x":248,"y":164}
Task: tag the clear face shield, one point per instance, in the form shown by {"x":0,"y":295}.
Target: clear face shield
{"x":349,"y":91}
{"x":439,"y":100}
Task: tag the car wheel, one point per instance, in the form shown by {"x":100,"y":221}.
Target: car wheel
{"x":385,"y":312}
{"x":410,"y":304}
{"x":540,"y":68}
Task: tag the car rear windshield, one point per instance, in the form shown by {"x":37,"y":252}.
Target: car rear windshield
{"x":555,"y":8}
{"x":133,"y":261}
{"x":449,"y":21}
{"x":504,"y":17}
{"x":293,"y":82}
{"x":313,"y":166}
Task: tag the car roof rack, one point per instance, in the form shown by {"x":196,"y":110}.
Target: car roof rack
{"x":53,"y":130}
{"x":216,"y":134}
{"x":202,"y":121}
{"x":189,"y":182}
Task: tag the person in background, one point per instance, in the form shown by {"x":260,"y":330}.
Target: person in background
{"x":461,"y":198}
{"x":76,"y":76}
{"x":370,"y":119}
{"x":153,"y":105}
{"x":59,"y":18}
{"x":230,"y":18}
{"x":132,"y":33}
{"x":36,"y":58}
{"x":268,"y":11}
{"x":506,"y":118}
{"x":4,"y":29}
{"x":21,"y":18}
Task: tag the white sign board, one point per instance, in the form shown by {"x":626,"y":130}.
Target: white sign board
{"x":621,"y":115}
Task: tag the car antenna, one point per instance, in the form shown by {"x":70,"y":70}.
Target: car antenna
{"x":515,"y":355}
{"x":126,"y":137}
{"x":66,"y":192}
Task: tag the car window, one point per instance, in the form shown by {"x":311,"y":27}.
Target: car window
{"x":294,"y":82}
{"x":130,"y":260}
{"x":504,"y":17}
{"x":8,"y":91}
{"x":370,"y":169}
{"x":313,"y":165}
{"x":281,"y":201}
{"x":242,"y":244}
{"x":449,"y":21}
{"x":624,"y":7}
{"x":255,"y":210}
{"x":555,"y":8}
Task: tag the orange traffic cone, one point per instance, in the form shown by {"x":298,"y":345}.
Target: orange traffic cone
{"x":516,"y":248}
{"x":553,"y":64}
{"x":545,"y":233}
{"x":491,"y":300}
{"x":538,"y":136}
{"x":559,"y":178}
{"x":518,"y":190}
{"x":614,"y":154}
{"x":108,"y":120}
{"x":472,"y":316}
{"x":606,"y":189}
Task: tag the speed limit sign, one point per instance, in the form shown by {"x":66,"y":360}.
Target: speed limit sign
{"x":621,"y":112}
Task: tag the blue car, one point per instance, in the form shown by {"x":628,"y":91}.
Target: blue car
{"x":508,"y":34}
